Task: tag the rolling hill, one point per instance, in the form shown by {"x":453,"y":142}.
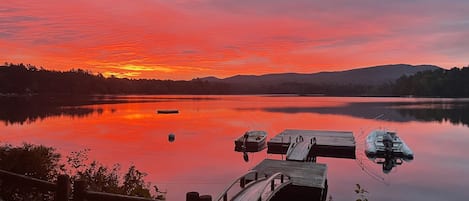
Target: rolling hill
{"x":375,"y":75}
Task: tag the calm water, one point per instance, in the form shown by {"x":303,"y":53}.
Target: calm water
{"x":129,"y":131}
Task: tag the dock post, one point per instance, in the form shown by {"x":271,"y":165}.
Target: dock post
{"x":272,"y":185}
{"x":242,"y":182}
{"x":205,"y":198}
{"x":192,"y":196}
{"x":256,"y":176}
{"x":281,"y":178}
{"x":79,"y":190}
{"x":63,"y":188}
{"x":225,"y":197}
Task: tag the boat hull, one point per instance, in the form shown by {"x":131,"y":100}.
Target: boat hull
{"x":251,"y":141}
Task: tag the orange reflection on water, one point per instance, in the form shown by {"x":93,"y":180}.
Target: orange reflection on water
{"x":202,"y":157}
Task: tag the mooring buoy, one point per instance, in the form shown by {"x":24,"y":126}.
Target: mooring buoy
{"x":171,"y":137}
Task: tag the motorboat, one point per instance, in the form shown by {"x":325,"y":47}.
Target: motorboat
{"x":251,"y":141}
{"x":383,"y":143}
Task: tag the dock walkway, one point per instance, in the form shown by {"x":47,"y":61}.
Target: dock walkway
{"x":299,"y":151}
{"x":253,"y":191}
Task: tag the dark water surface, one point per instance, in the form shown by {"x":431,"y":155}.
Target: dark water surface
{"x":127,"y":130}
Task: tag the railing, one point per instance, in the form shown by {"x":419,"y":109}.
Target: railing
{"x":268,"y":182}
{"x":292,"y":145}
{"x":81,"y":194}
{"x":63,"y":190}
{"x":274,"y":189}
{"x":242,"y":181}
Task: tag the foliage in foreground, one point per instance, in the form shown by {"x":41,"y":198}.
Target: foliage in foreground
{"x":361,"y":193}
{"x":43,"y":162}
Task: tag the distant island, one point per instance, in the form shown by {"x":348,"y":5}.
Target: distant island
{"x":385,"y":80}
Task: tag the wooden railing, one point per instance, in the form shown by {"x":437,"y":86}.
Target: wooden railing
{"x":268,"y":181}
{"x":292,"y":145}
{"x":80,"y":193}
{"x":63,"y":190}
{"x":273,"y":188}
{"x":241,"y":180}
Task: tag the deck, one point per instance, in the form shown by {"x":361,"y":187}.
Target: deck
{"x":339,"y":144}
{"x":311,"y":175}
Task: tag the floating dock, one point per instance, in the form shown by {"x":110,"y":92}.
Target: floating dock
{"x":168,"y":111}
{"x":308,"y":180}
{"x":338,"y":144}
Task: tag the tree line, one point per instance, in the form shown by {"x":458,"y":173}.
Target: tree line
{"x":437,"y":83}
{"x":28,"y":79}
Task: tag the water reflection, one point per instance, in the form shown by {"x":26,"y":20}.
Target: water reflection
{"x":440,"y":111}
{"x":21,"y":110}
{"x":388,"y":161}
{"x":202,"y":158}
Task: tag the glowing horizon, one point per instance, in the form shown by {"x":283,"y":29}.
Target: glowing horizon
{"x":188,"y":39}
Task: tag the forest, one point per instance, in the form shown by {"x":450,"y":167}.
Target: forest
{"x":437,"y":83}
{"x":21,"y":79}
{"x":28,"y":79}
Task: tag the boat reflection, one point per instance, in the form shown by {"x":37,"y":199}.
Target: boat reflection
{"x":389,"y":161}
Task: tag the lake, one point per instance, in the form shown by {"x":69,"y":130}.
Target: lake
{"x":127,"y":130}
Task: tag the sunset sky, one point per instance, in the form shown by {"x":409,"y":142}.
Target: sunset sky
{"x":185,"y":39}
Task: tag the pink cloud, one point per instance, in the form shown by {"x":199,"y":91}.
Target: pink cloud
{"x":224,"y":38}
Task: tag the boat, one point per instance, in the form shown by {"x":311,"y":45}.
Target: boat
{"x":251,"y":141}
{"x":383,"y":143}
{"x":170,"y":111}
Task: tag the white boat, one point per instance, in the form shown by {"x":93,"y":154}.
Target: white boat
{"x":382,"y":143}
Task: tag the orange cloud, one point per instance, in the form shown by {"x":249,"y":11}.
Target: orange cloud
{"x":188,"y":39}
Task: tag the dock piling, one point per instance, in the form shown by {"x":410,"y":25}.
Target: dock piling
{"x":192,"y":196}
{"x":79,"y":190}
{"x":63,"y":188}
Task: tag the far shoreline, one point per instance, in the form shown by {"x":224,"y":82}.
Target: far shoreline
{"x":69,"y":95}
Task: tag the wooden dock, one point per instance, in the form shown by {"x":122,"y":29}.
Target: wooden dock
{"x":339,"y":144}
{"x":311,"y":175}
{"x":308,"y":180}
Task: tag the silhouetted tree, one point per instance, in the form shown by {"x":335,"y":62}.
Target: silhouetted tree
{"x":43,"y":163}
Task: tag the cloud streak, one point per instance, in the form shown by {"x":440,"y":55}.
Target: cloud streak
{"x":186,"y":39}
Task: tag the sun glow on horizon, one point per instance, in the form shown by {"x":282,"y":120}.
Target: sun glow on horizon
{"x":145,"y":68}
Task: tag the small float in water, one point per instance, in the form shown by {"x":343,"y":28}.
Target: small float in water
{"x":251,"y":141}
{"x":168,"y":111}
{"x":171,"y":137}
{"x":380,"y":143}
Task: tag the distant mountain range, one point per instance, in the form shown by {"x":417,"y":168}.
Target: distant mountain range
{"x":375,"y":75}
